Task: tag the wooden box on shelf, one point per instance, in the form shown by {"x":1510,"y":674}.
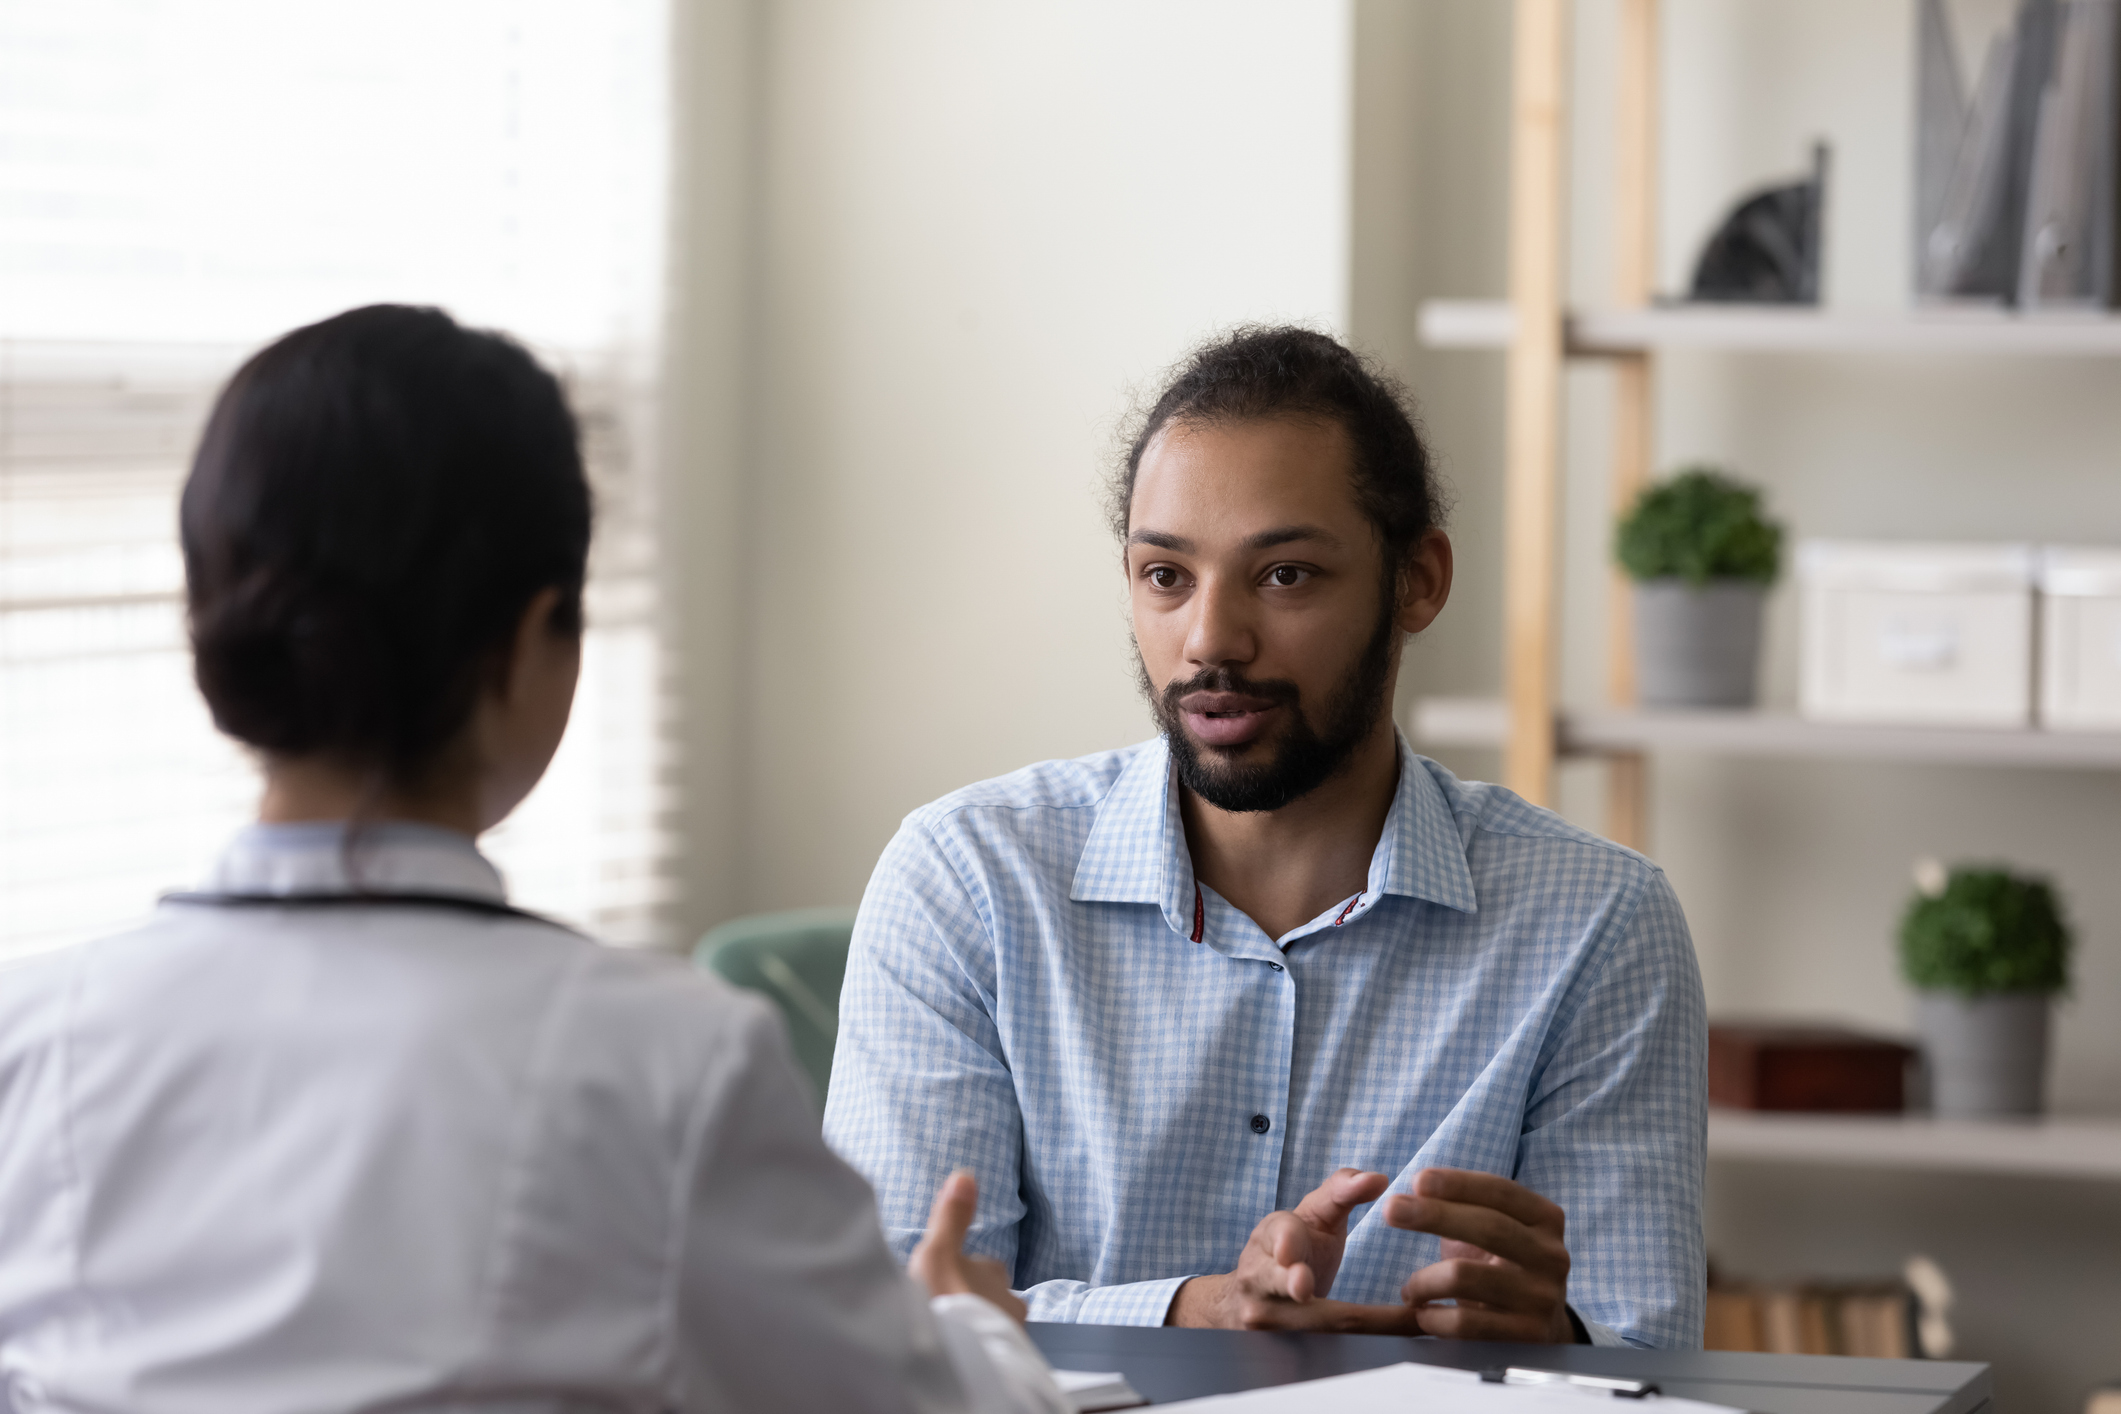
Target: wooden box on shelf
{"x":1778,"y":1066}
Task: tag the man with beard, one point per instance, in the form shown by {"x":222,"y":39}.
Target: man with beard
{"x":1270,"y":1022}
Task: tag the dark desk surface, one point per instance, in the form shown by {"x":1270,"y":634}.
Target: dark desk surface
{"x":1170,"y":1365}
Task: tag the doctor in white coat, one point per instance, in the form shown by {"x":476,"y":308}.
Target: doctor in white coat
{"x":341,"y":1130}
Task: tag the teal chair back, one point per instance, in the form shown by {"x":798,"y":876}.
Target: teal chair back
{"x":797,"y":960}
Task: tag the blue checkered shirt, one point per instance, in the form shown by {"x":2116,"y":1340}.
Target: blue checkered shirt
{"x":1040,"y":990}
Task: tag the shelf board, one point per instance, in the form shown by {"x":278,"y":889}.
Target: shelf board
{"x":1490,"y":324}
{"x":2048,"y":1146}
{"x":1462,"y":721}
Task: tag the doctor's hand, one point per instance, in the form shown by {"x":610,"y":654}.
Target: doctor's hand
{"x":1288,"y":1266}
{"x":1503,"y":1259}
{"x":940,"y":1261}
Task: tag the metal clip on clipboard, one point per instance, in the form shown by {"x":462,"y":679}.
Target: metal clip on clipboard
{"x":1519,"y":1375}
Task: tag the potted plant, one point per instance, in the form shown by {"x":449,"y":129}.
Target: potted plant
{"x":1986,"y":951}
{"x":1702,"y":557}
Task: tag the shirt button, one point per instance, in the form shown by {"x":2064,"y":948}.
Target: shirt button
{"x":1275,"y":965}
{"x":1261,"y":1124}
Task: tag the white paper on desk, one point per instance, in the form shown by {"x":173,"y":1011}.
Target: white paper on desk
{"x":1428,"y":1389}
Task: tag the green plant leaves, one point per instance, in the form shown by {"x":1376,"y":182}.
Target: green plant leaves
{"x":1988,"y":931}
{"x":1697,"y":526}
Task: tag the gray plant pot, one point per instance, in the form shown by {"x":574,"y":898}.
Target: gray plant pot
{"x":1697,"y":647}
{"x":1986,"y":1055}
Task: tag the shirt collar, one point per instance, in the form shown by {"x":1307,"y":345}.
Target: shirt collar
{"x":1137,"y":852}
{"x":396,"y":857}
{"x":1422,"y":854}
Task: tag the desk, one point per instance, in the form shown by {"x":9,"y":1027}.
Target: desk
{"x":1168,"y":1365}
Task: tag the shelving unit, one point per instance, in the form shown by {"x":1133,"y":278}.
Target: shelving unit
{"x":1595,"y":333}
{"x":2052,"y":1147}
{"x":1539,"y":333}
{"x":1484,"y":721}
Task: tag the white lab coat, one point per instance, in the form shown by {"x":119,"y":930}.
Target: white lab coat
{"x":328,"y":1159}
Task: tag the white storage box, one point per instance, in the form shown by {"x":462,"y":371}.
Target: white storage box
{"x":1921,"y":633}
{"x":2080,"y":639}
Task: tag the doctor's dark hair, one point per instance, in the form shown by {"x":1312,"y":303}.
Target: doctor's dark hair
{"x":1285,"y":371}
{"x":376,"y":500}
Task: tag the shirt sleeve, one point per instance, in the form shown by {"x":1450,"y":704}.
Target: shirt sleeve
{"x":1133,"y":1303}
{"x":787,"y":1295}
{"x":1617,"y":1129}
{"x":920,"y":1086}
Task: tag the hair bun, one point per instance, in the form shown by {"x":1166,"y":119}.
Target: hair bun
{"x":375,"y":502}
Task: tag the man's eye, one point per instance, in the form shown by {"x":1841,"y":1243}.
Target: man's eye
{"x":1164,"y":577}
{"x":1287,"y":576}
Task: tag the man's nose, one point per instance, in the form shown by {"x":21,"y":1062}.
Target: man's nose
{"x":1222,"y":630}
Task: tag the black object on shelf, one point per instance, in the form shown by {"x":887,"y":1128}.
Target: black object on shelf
{"x":1767,"y":250}
{"x":2068,"y":253}
{"x":1971,"y":241}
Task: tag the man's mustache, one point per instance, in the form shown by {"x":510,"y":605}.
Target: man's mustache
{"x":1279,"y":691}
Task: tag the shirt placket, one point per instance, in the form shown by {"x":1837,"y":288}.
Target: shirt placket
{"x":1263,"y":1098}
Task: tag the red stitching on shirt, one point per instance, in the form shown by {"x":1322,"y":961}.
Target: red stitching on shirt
{"x":1346,"y":911}
{"x":1200,"y":913}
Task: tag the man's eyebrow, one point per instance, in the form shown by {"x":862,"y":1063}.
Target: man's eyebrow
{"x":1261,"y":540}
{"x":1289,"y":534}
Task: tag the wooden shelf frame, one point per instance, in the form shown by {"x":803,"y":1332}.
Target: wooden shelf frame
{"x":1536,"y":336}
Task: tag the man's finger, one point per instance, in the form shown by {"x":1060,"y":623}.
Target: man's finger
{"x":950,"y":1216}
{"x":1472,"y":1323}
{"x":1286,"y":1243}
{"x":1328,"y":1205}
{"x":1490,"y":1191}
{"x":1345,"y":1316}
{"x":1496,"y":1287}
{"x":1484,"y":1228}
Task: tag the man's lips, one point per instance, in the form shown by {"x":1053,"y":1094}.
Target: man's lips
{"x":1225,"y":718}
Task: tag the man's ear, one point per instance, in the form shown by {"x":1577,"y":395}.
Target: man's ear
{"x":1424,"y":581}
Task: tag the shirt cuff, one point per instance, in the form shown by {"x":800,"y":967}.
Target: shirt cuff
{"x":1598,"y":1335}
{"x":1134,"y":1303}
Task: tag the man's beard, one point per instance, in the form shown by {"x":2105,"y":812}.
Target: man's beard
{"x":1306,"y":758}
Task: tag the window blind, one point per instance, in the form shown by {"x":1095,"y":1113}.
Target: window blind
{"x":178,"y":184}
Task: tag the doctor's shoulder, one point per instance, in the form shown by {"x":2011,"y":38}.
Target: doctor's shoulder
{"x":670,"y":1034}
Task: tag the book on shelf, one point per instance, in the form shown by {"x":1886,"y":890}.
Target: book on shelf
{"x":2017,"y":183}
{"x":1873,"y":1319}
{"x":1973,"y":247}
{"x":2067,"y":254}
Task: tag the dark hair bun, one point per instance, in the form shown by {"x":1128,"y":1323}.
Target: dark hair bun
{"x":376,"y":500}
{"x":1264,"y":371}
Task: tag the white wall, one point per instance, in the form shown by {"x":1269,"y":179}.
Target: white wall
{"x":706,"y":437}
{"x":1792,"y":873}
{"x":982,"y":225}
